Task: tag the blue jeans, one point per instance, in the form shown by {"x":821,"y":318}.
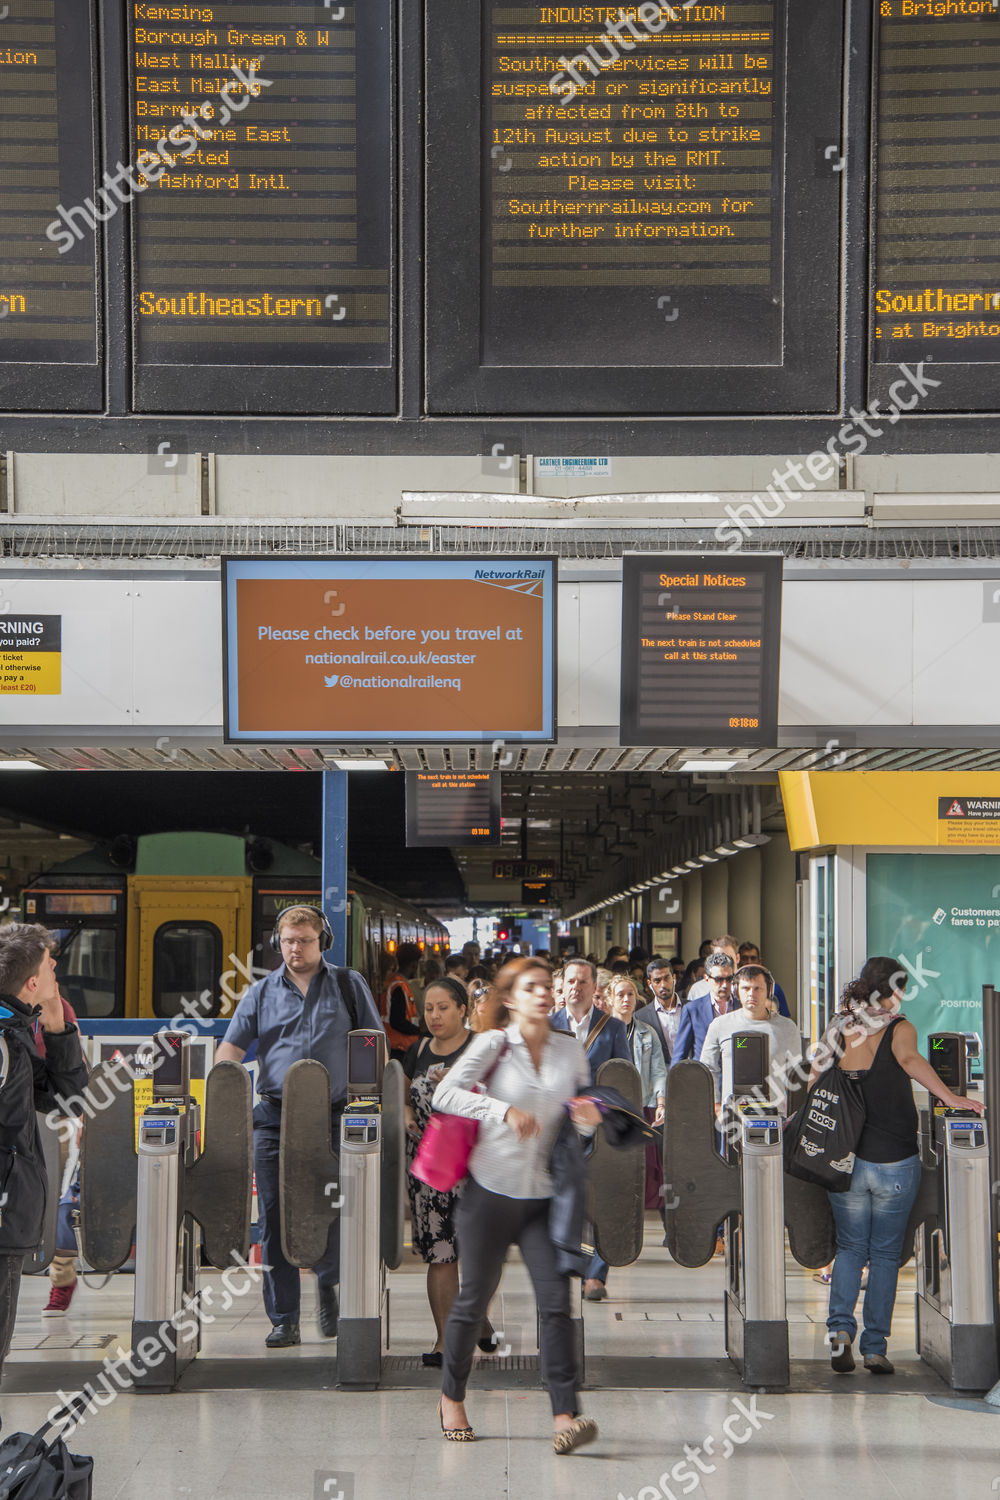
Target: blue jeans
{"x":281,"y":1279}
{"x":871,"y":1221}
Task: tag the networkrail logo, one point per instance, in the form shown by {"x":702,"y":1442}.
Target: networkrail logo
{"x":520,"y":580}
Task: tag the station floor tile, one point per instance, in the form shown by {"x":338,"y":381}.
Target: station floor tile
{"x":673,"y":1415}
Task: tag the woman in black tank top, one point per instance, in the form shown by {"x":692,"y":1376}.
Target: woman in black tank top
{"x":871,"y":1041}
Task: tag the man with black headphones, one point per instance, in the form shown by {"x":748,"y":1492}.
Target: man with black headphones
{"x":305,"y":1008}
{"x":756,"y":1013}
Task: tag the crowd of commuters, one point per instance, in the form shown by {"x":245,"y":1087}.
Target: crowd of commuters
{"x":514,"y":1043}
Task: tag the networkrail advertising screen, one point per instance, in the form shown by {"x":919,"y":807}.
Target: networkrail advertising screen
{"x":435,"y":649}
{"x":262,"y":135}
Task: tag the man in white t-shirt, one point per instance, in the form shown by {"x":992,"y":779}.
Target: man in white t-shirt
{"x":754,"y":989}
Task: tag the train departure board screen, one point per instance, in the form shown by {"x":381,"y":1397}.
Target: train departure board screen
{"x":701,"y":639}
{"x":637,"y":210}
{"x":389,"y":649}
{"x":263,"y":237}
{"x":48,"y":259}
{"x":644,"y":192}
{"x":452,"y":808}
{"x":936,"y":287}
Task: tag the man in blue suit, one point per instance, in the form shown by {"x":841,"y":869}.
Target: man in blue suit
{"x":582,"y":1019}
{"x":700,"y":1011}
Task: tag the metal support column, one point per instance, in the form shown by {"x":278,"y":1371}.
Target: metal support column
{"x":335,"y":859}
{"x":991,"y":1098}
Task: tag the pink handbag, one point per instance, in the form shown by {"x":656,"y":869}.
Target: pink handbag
{"x":442,"y":1158}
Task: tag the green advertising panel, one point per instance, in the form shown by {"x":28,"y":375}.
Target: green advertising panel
{"x":939,"y":915}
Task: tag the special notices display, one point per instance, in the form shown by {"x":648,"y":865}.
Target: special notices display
{"x":264,"y":134}
{"x":47,"y":274}
{"x":937,"y":228}
{"x":634,"y":180}
{"x":701,"y":641}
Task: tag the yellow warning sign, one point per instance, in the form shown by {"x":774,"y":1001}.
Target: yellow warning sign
{"x":31,"y":654}
{"x":968,"y":821}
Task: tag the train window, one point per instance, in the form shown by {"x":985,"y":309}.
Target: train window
{"x":87,"y":970}
{"x":187,"y":964}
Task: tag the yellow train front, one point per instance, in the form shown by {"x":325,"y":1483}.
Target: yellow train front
{"x":154,"y":927}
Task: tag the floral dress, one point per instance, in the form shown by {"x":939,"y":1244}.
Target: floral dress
{"x":432,"y":1214}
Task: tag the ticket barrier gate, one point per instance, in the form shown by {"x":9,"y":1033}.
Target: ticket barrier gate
{"x":359,"y":1188}
{"x":38,"y":1262}
{"x":956,"y":1306}
{"x":156,"y":1194}
{"x":748,"y":1191}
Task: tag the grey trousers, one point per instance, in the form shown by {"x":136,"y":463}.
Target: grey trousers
{"x":487,"y":1224}
{"x":10,"y":1285}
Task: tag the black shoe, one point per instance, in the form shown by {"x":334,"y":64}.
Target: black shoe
{"x":841,"y":1353}
{"x":433,"y":1360}
{"x":283,"y":1336}
{"x":329,"y":1312}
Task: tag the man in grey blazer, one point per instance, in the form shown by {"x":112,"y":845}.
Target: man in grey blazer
{"x":664,"y":1014}
{"x":583,"y":1020}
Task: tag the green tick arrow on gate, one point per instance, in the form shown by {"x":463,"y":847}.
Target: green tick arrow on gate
{"x":938,"y":1044}
{"x":740,"y":1043}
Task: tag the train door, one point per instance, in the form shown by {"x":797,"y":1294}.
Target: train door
{"x":181,"y":941}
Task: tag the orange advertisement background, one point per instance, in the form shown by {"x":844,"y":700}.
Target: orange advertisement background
{"x":279,"y":691}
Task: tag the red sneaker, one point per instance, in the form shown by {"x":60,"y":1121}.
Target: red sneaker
{"x":60,"y":1298}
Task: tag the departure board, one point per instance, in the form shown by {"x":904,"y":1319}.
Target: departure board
{"x":639,"y":164}
{"x":936,"y":292}
{"x":48,"y":256}
{"x":701,"y":639}
{"x":263,"y":237}
{"x":633,"y":208}
{"x":452,"y":808}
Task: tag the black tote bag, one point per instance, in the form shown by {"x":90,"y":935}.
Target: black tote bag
{"x":32,"y":1468}
{"x":821,"y":1137}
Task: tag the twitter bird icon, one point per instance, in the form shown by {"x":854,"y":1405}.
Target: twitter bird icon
{"x":332,"y":681}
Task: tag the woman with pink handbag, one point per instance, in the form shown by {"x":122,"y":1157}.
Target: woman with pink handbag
{"x":532,"y":1075}
{"x":432,"y":1210}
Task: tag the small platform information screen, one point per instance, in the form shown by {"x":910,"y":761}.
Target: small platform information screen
{"x":634,"y":175}
{"x":263,"y":135}
{"x":701,"y":637}
{"x":452,"y":808}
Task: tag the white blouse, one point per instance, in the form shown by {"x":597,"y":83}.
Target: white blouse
{"x":499,"y":1161}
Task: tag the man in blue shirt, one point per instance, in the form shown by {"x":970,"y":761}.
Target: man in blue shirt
{"x":298,"y":1011}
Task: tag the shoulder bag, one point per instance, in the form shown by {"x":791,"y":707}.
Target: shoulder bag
{"x":822,"y":1136}
{"x":442,"y":1157}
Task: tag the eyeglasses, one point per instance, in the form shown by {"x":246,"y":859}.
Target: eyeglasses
{"x":295,"y":942}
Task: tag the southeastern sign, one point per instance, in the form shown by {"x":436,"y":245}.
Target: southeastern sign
{"x":321,"y":650}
